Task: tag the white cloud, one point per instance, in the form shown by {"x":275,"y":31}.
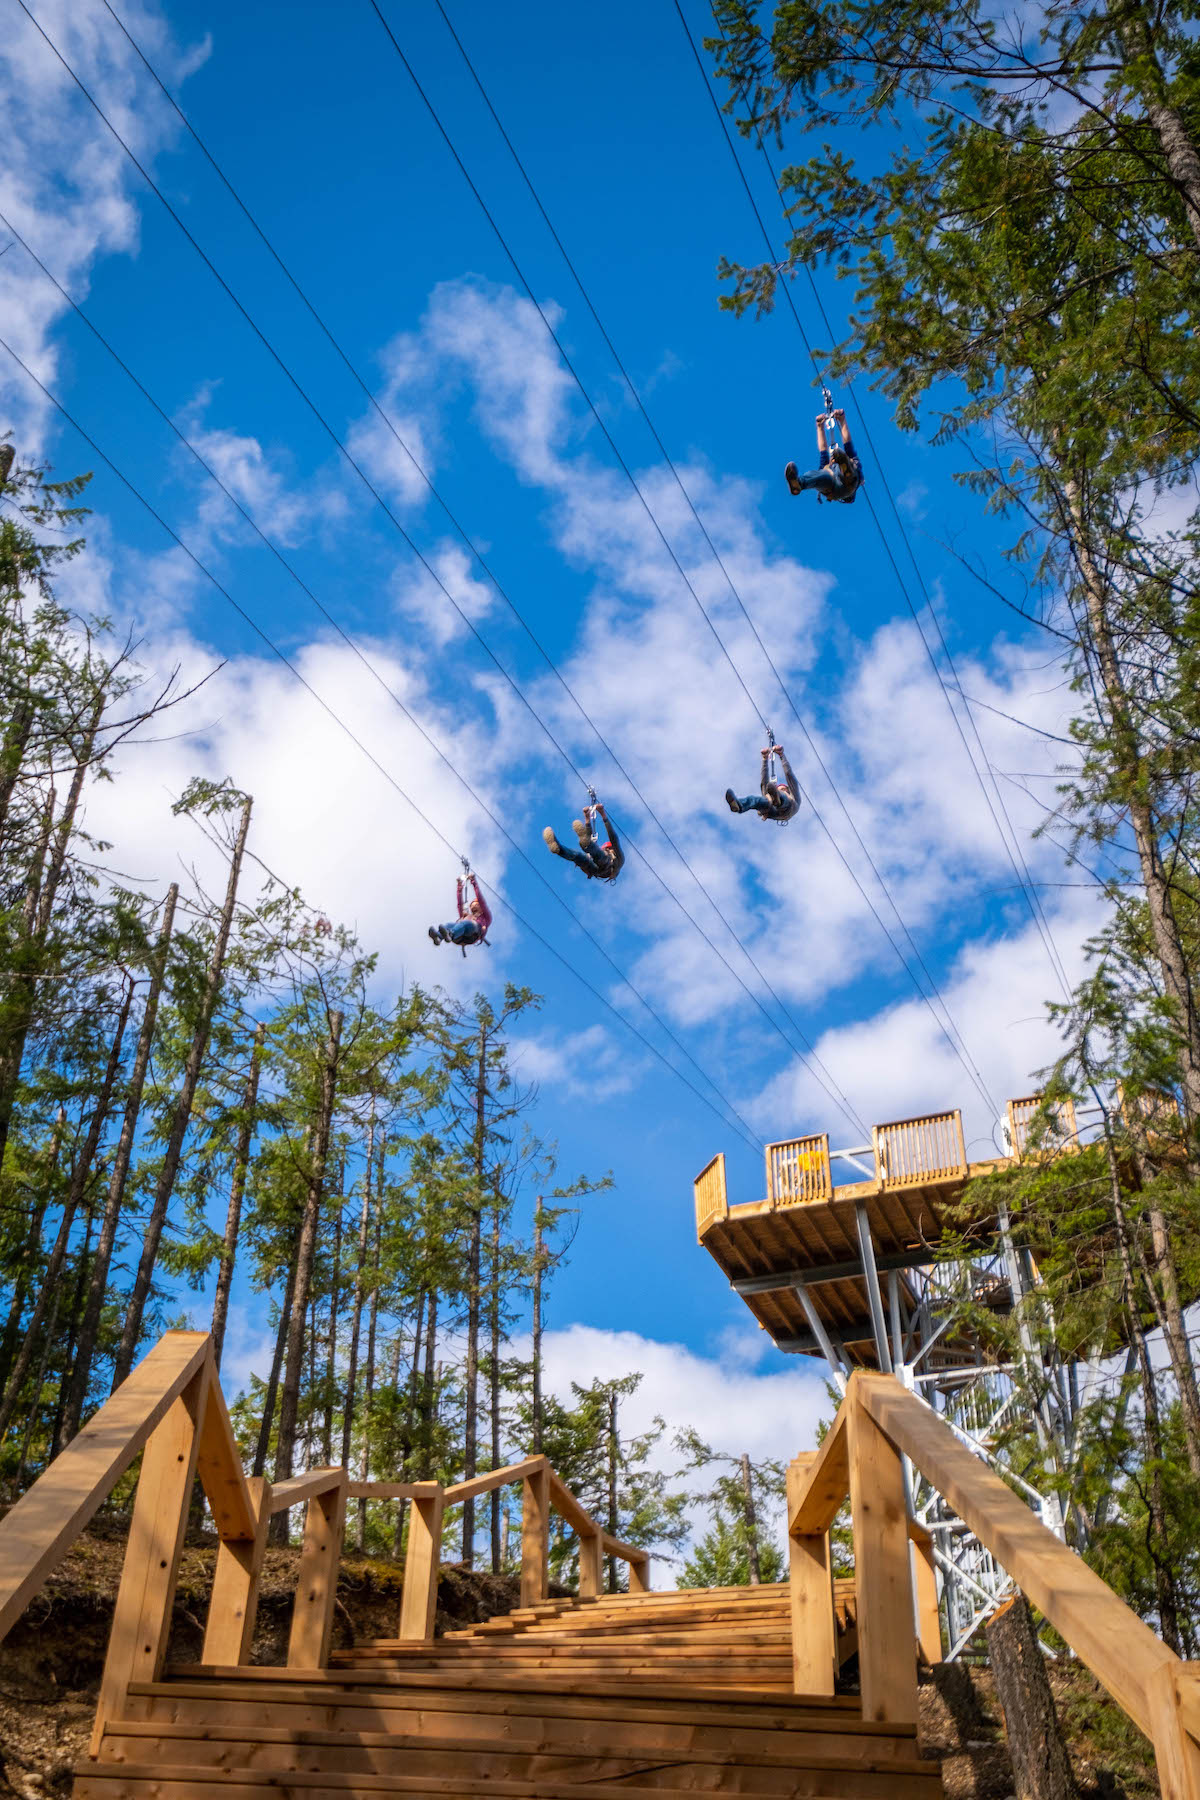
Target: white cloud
{"x":591,"y":1064}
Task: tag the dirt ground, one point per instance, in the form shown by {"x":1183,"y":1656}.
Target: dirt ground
{"x":51,"y":1662}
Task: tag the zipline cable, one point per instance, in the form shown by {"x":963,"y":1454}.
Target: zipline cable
{"x":946,"y":1026}
{"x":745,"y":1131}
{"x":836,"y":1096}
{"x":1022,"y":873}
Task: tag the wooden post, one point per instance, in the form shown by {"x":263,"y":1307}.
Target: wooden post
{"x":137,"y":1644}
{"x":316,"y":1582}
{"x":1172,"y":1697}
{"x":591,"y":1564}
{"x":234,"y":1603}
{"x":535,"y":1536}
{"x":929,"y":1623}
{"x":810,"y":1579}
{"x":639,"y":1576}
{"x":886,"y":1654}
{"x":422,"y":1560}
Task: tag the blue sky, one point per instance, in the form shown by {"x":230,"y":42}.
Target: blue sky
{"x":316,"y":123}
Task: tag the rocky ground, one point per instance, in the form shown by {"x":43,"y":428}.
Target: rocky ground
{"x":50,"y":1670}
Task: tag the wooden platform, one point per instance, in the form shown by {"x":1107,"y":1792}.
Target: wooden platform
{"x":685,"y":1692}
{"x":809,"y":1234}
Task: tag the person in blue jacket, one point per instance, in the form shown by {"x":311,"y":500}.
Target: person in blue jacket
{"x":840,"y":474}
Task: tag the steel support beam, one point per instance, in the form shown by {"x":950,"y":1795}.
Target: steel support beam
{"x":874,"y":1296}
{"x":820,"y":1340}
{"x":839,"y":1271}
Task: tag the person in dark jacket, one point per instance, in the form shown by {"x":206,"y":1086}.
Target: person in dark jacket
{"x":840,"y":474}
{"x":778,"y":800}
{"x":474,"y":917}
{"x":600,"y":859}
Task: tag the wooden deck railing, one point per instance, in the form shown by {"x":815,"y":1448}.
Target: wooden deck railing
{"x":171,"y":1408}
{"x":878,"y":1424}
{"x":910,"y":1151}
{"x":798,"y":1170}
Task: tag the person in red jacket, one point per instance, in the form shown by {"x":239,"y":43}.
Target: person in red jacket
{"x":471,"y":925}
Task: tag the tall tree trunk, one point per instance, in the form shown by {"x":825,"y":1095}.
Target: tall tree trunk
{"x":369,"y":1393}
{"x":306,"y":1249}
{"x":1179,"y":149}
{"x":334,"y":1302}
{"x":93,"y":1311}
{"x":539,"y":1266}
{"x":79,"y":1178}
{"x":271,"y":1394}
{"x":751,"y":1522}
{"x":74,"y":1317}
{"x":410,"y":1414}
{"x":1168,"y":939}
{"x":494,"y":1381}
{"x":612,"y":1457}
{"x":181,"y":1118}
{"x":237,"y":1190}
{"x":474,"y":1285}
{"x":28,"y":1260}
{"x":356,"y":1309}
{"x":1176,"y":1335}
{"x":36,"y":920}
{"x":429,"y":1393}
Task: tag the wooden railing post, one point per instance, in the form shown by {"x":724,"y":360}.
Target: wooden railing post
{"x":137,"y":1644}
{"x":316,"y":1581}
{"x":422,"y":1560}
{"x":1172,"y":1695}
{"x":883,"y":1580}
{"x":810,"y":1581}
{"x":591,"y":1564}
{"x":929,"y":1622}
{"x":639,"y":1574}
{"x":535,"y":1536}
{"x":233,"y":1606}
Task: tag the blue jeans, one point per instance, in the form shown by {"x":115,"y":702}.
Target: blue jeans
{"x":825,"y":482}
{"x":463,"y":931}
{"x":593,"y":862}
{"x":755,"y":803}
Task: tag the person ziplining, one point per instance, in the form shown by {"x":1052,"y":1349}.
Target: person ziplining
{"x":778,"y":800}
{"x":840,"y":474}
{"x":474,"y":916}
{"x":600,"y":860}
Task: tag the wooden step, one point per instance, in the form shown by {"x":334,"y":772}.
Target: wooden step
{"x":135,"y":1782}
{"x":216,"y":1751}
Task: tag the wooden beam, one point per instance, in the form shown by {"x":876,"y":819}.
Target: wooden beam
{"x":390,"y":1490}
{"x":316,"y":1581}
{"x":810,"y":1583}
{"x":929,"y":1621}
{"x":137,"y":1644}
{"x":535,"y":1534}
{"x":483,"y":1484}
{"x":591,"y":1564}
{"x":567,"y":1507}
{"x":887,"y":1661}
{"x":639,"y":1574}
{"x":219,"y":1466}
{"x":1123,"y":1654}
{"x":233,"y":1605}
{"x":1175,"y":1702}
{"x":422,"y":1561}
{"x":308,"y":1486}
{"x":826,"y":1482}
{"x":39,"y":1530}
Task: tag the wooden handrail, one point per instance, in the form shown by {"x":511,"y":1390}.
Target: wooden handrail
{"x":39,"y":1530}
{"x":494,"y":1478}
{"x":878,"y":1423}
{"x":301,"y":1488}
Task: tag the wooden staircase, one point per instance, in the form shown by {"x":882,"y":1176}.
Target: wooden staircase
{"x":689,"y":1691}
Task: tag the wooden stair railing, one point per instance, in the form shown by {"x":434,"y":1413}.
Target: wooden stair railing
{"x":879,"y":1423}
{"x":172,"y":1410}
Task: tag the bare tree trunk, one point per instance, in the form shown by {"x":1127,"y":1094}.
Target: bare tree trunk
{"x":751,"y":1522}
{"x":1174,"y":1328}
{"x":1041,"y":1766}
{"x":364,"y":1222}
{"x":69,"y":1350}
{"x":79,"y":1177}
{"x":474,"y":1284}
{"x":272,"y":1388}
{"x":369,"y":1394}
{"x":132,"y":1329}
{"x":237,"y":1190}
{"x":331,"y":1357}
{"x":90,"y":1328}
{"x":494,"y":1382}
{"x":539,"y":1267}
{"x":289,"y":1396}
{"x":12,"y":1327}
{"x":1175,"y":140}
{"x":613,"y":1452}
{"x":429,"y":1391}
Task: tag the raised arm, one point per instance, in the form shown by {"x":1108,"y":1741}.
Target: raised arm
{"x":822,"y":443}
{"x":762,"y":782}
{"x":614,"y":841}
{"x":789,"y":777}
{"x":847,"y":441}
{"x":459,"y":897}
{"x":485,"y":913}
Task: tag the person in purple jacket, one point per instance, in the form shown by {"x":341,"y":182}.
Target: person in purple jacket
{"x":840,"y":474}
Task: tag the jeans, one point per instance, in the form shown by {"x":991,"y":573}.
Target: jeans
{"x":463,"y":931}
{"x":755,"y":803}
{"x":825,"y":482}
{"x":592,"y":862}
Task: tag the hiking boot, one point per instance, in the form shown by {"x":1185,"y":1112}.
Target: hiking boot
{"x":583,"y":833}
{"x":444,"y":935}
{"x":792,"y":476}
{"x":551,"y":842}
{"x":435,"y":934}
{"x":732,"y":801}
